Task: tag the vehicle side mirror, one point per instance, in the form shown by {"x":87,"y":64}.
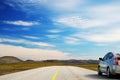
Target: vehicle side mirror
{"x":101,"y":59}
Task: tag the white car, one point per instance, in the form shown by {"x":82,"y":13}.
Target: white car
{"x":109,"y":64}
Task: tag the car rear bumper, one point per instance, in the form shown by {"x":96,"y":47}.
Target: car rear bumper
{"x":116,"y":70}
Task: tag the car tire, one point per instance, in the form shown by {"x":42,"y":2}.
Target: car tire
{"x":99,"y":72}
{"x":108,"y":73}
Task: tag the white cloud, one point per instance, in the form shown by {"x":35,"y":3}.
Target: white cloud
{"x":23,"y":41}
{"x":64,"y":4}
{"x":21,"y":23}
{"x":31,"y":37}
{"x":54,"y":31}
{"x":79,"y":22}
{"x":52,"y":36}
{"x":106,"y":36}
{"x":72,"y":40}
{"x":104,"y":15}
{"x":73,"y":21}
{"x":100,"y":23}
{"x":108,"y":12}
{"x":35,"y":54}
{"x":59,"y":5}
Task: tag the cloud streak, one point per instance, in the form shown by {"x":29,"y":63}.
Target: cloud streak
{"x":21,"y":23}
{"x":31,"y":37}
{"x":79,"y":22}
{"x":55,"y":31}
{"x":27,"y":42}
{"x":106,"y":36}
{"x":72,"y":41}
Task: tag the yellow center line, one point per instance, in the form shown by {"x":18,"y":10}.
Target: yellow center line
{"x":55,"y":74}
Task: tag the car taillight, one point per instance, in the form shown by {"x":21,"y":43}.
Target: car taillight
{"x":116,"y":61}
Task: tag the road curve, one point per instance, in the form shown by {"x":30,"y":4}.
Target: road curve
{"x":56,"y":73}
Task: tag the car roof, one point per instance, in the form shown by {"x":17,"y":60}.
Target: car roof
{"x":116,"y":54}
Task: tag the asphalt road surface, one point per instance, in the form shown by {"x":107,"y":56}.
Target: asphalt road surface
{"x":56,"y":73}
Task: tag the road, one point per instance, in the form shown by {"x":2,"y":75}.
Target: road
{"x":56,"y":73}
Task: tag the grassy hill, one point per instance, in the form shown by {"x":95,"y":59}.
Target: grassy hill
{"x":10,"y":59}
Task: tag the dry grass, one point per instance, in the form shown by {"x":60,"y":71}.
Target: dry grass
{"x":6,"y":68}
{"x":89,"y":66}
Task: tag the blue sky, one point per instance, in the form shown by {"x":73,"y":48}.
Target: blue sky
{"x":59,"y":29}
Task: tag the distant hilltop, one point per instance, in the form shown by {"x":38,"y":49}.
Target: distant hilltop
{"x":10,"y":59}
